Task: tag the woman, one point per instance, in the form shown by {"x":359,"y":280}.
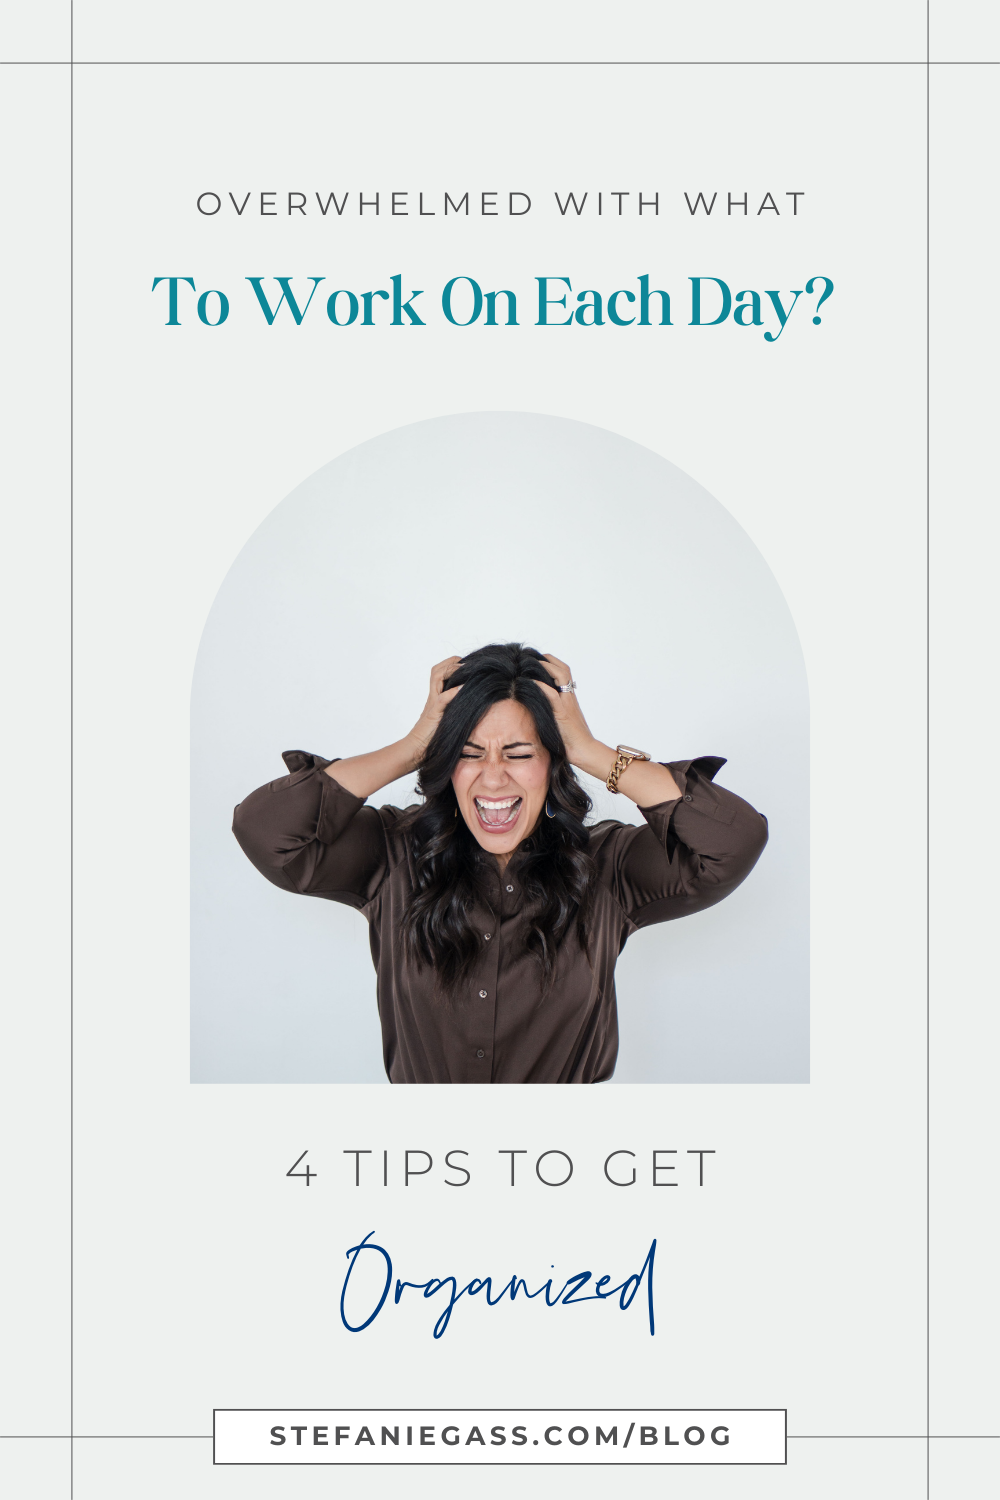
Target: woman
{"x":496,"y":915}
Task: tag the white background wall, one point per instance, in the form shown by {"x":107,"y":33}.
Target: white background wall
{"x":441,"y":537}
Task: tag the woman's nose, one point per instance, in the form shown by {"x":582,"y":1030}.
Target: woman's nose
{"x":494,"y":772}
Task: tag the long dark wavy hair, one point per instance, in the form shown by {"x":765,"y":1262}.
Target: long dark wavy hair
{"x":554,"y":867}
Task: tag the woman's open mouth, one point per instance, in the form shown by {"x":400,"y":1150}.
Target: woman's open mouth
{"x":499,"y":814}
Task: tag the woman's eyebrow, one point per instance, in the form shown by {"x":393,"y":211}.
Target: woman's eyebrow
{"x":514,"y":745}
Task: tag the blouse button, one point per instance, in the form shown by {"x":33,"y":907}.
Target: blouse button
{"x":482,"y":996}
{"x":687,"y":796}
{"x":510,"y":887}
{"x":480,"y":1053}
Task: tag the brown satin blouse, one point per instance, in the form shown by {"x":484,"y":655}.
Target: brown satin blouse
{"x":308,"y":835}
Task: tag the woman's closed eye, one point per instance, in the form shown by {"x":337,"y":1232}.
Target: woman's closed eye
{"x":474,"y":755}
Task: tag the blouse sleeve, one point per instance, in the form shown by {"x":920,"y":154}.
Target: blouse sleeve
{"x":307,"y":834}
{"x":692,"y":853}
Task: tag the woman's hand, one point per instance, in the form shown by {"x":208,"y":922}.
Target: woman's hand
{"x":437,"y":701}
{"x":363,"y":775}
{"x":580,"y":743}
{"x":643,"y":781}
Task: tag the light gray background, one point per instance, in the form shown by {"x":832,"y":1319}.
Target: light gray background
{"x":202,"y":1274}
{"x":439,"y":537}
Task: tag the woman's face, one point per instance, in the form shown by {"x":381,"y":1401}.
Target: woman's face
{"x":502,"y":778}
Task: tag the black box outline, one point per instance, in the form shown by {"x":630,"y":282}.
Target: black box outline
{"x":498,"y":1463}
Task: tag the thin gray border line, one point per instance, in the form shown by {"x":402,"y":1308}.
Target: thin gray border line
{"x":72,"y":747}
{"x":928,"y":63}
{"x":488,"y":62}
{"x":927,"y":749}
{"x":206,"y":1437}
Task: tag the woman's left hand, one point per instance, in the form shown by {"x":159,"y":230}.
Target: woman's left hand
{"x":645,"y":782}
{"x":573,"y":726}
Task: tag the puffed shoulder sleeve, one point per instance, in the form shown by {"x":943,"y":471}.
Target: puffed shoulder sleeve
{"x":693,"y":851}
{"x":307,"y":834}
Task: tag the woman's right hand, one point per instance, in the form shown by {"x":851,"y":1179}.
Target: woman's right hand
{"x":438,"y":699}
{"x":363,"y":775}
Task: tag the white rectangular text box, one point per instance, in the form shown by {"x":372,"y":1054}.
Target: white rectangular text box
{"x":525,"y":1435}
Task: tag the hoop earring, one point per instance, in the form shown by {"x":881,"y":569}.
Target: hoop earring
{"x":548,"y":811}
{"x":456,"y":812}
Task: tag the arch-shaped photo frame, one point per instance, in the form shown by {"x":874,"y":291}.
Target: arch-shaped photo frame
{"x":436,"y":538}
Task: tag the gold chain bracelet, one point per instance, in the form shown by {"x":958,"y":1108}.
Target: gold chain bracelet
{"x":626,"y":755}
